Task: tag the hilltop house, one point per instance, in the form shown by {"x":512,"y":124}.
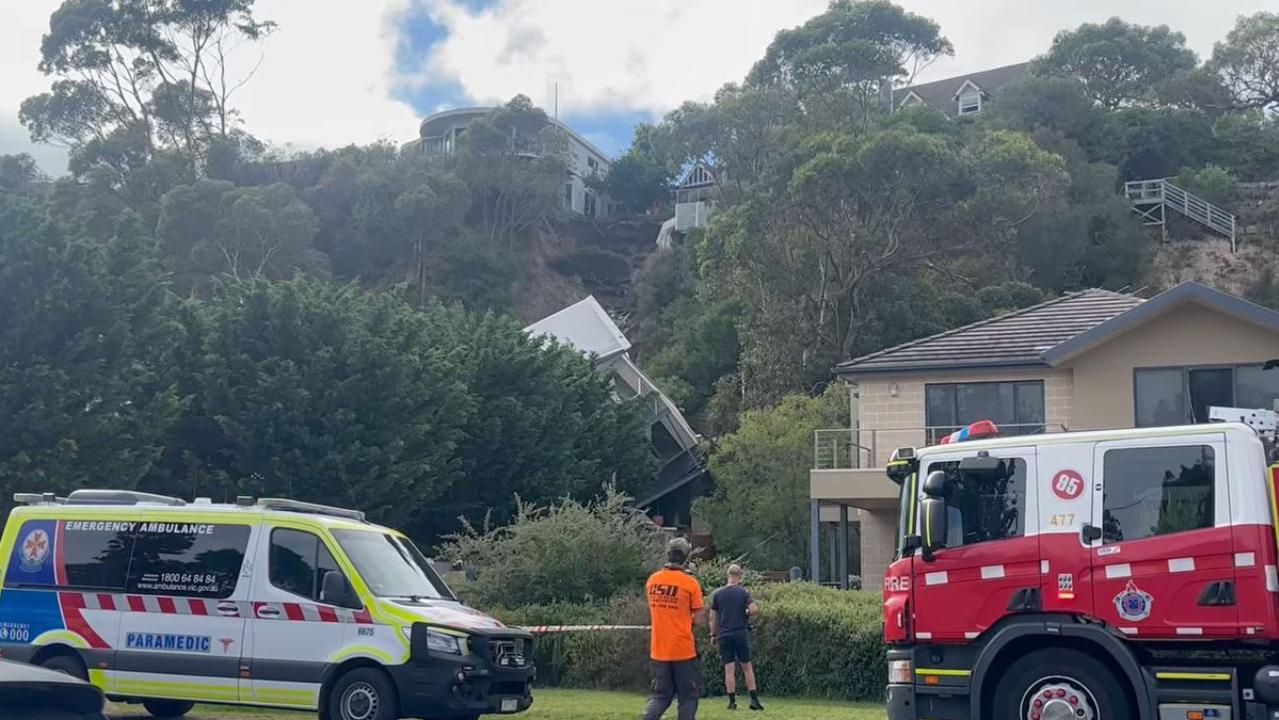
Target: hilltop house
{"x":1087,"y":361}
{"x":439,"y":134}
{"x":961,"y":95}
{"x":682,"y":476}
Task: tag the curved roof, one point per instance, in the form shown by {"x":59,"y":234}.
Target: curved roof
{"x":454,"y":113}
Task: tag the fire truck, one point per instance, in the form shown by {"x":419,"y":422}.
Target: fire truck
{"x":1101,"y":575}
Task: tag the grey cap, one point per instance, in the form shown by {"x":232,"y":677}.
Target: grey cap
{"x":678,"y":550}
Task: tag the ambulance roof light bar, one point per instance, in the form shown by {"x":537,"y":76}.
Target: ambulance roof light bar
{"x":979,"y":430}
{"x":37,"y":499}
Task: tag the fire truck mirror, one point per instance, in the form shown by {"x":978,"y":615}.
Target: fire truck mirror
{"x":934,"y":526}
{"x":935,"y":484}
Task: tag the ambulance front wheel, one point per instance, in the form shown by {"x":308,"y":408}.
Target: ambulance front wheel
{"x":364,"y":694}
{"x":168,"y":708}
{"x":1060,"y":683}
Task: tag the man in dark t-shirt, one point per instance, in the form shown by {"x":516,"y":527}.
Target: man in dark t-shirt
{"x":731,"y":609}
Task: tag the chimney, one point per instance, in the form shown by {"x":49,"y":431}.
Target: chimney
{"x":886,"y":94}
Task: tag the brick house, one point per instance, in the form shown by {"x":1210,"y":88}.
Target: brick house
{"x":1091,"y":360}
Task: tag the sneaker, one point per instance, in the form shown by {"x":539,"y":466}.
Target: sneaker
{"x":755,"y":704}
{"x":732,"y":704}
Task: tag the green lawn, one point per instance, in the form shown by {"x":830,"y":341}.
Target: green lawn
{"x":587,"y":705}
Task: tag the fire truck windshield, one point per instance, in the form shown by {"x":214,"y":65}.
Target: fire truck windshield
{"x":906,"y":503}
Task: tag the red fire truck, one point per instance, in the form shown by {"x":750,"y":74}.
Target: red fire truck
{"x":1100,"y":575}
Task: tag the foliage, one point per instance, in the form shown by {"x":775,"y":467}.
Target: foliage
{"x":1248,"y":145}
{"x":794,"y":619}
{"x":641,"y":179}
{"x":759,"y":508}
{"x":570,"y":552}
{"x":839,"y":59}
{"x":137,"y":76}
{"x":515,"y":162}
{"x":321,"y":393}
{"x":1119,"y":63}
{"x":1247,"y":61}
{"x":543,"y":425}
{"x":19,"y":176}
{"x":213,"y":228}
{"x":1211,"y":182}
{"x":86,"y":343}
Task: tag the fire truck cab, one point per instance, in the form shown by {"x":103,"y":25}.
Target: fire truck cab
{"x":1094,"y":575}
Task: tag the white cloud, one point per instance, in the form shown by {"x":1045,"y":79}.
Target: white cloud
{"x":654,"y":54}
{"x":615,"y":55}
{"x":325,"y":77}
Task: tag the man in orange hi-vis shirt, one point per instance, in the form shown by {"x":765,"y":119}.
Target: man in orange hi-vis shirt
{"x":674,"y":604}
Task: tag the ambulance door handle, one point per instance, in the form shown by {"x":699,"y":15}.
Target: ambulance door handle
{"x":228,"y":609}
{"x":266,"y":611}
{"x":1090,"y":533}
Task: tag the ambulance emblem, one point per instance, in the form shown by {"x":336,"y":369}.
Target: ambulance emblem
{"x":33,"y":551}
{"x":1133,"y":604}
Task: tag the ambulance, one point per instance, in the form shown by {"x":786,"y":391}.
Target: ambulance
{"x":272,"y":602}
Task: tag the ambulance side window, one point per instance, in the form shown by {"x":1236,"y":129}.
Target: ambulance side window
{"x":96,"y":559}
{"x":298,"y":562}
{"x":189,"y":560}
{"x":1157,"y":491}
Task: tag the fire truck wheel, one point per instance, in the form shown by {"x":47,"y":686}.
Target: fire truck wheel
{"x":1060,"y":684}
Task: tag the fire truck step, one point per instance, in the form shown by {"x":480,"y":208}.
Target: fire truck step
{"x":1213,"y":691}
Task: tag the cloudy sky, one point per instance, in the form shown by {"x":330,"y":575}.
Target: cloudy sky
{"x":360,"y":70}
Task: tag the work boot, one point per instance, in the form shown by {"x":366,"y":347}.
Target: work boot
{"x":732,"y":702}
{"x":755,"y":704}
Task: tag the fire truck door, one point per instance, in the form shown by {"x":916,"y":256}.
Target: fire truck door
{"x":1065,"y":508}
{"x":991,"y":558}
{"x":1163,"y":561}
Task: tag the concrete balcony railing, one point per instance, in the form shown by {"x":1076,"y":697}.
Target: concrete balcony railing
{"x":858,"y":449}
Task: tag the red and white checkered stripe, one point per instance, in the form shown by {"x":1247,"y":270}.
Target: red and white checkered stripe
{"x":166,"y":605}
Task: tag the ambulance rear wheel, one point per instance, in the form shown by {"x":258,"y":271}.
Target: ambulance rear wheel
{"x":168,"y":708}
{"x":67,"y":665}
{"x":1060,"y":684}
{"x":364,"y":694}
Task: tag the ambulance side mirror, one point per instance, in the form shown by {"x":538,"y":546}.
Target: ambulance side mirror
{"x":933,"y":521}
{"x":337,"y":590}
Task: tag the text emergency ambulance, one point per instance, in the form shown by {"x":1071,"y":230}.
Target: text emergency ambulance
{"x":276,"y":603}
{"x":1092,"y":575}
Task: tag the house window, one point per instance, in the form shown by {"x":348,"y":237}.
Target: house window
{"x":1156,"y":491}
{"x":1016,"y":407}
{"x":985,"y":509}
{"x":568,"y":195}
{"x":593,"y":164}
{"x":589,"y":210}
{"x":1184,"y":395}
{"x":970,"y":103}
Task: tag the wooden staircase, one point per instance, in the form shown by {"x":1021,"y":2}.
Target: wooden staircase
{"x":1151,"y":200}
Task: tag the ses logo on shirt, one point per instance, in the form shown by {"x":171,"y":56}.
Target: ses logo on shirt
{"x":169,"y":643}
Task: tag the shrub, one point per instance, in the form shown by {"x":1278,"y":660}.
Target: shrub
{"x":809,"y":641}
{"x":571,"y":552}
{"x":1212,"y":182}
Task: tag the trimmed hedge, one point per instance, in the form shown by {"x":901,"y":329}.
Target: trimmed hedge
{"x":809,"y":641}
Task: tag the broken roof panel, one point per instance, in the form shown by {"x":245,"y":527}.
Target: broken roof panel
{"x":586,"y":326}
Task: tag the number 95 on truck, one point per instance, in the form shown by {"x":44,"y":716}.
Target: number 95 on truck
{"x":1103,"y":575}
{"x":271,"y":603}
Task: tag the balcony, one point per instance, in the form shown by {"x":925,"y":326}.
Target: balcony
{"x":865,"y":449}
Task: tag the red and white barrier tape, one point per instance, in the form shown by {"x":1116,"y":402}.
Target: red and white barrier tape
{"x":548,"y":629}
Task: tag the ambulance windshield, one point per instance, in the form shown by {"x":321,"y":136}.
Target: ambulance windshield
{"x":391,"y":566}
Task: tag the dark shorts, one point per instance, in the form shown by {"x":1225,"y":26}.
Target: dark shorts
{"x":735,"y":648}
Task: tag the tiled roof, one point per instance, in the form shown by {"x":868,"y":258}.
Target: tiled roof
{"x":1018,"y":338}
{"x":941,"y":93}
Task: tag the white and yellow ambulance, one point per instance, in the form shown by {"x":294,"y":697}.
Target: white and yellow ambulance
{"x":274,"y":603}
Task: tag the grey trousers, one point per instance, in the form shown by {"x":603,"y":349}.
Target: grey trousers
{"x":673,"y":680}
